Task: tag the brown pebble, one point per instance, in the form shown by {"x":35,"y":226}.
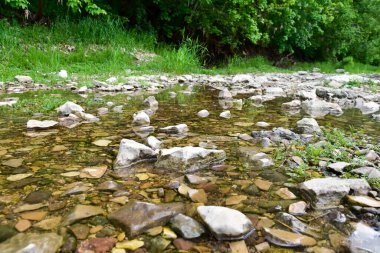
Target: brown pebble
{"x":182,"y":244}
{"x":23,"y":225}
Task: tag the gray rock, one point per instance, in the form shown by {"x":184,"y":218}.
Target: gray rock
{"x":370,"y":172}
{"x":338,"y":166}
{"x":36,"y":124}
{"x":32,"y":243}
{"x":308,"y":126}
{"x":225,"y":94}
{"x":118,"y":109}
{"x":372,"y":156}
{"x":151,"y":102}
{"x":275,"y":92}
{"x":180,"y":129}
{"x":225,"y":223}
{"x":153,"y":142}
{"x":189,"y":159}
{"x":194,"y":179}
{"x":186,"y":226}
{"x":321,"y":108}
{"x":203,"y":114}
{"x":324,"y":193}
{"x":364,"y":239}
{"x":87,"y":117}
{"x":131,"y":153}
{"x":376,"y":117}
{"x":68,"y":108}
{"x":368,"y":107}
{"x":242,"y":78}
{"x":37,"y":197}
{"x":102,"y":111}
{"x":81,"y":212}
{"x":262,"y":124}
{"x":339,"y":70}
{"x":111,"y":186}
{"x":141,"y":118}
{"x":137,"y":217}
{"x":62,"y":74}
{"x":292,"y":105}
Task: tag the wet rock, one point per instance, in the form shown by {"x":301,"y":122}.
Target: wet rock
{"x":101,"y":143}
{"x":189,"y":159}
{"x":294,"y":224}
{"x":180,"y":129}
{"x":225,"y":94}
{"x":364,"y":201}
{"x":69,"y":108}
{"x":41,"y":243}
{"x":34,"y":215}
{"x":186,"y":226}
{"x":48,"y":224}
{"x":252,"y":190}
{"x":198,"y":196}
{"x":131,"y":153}
{"x":97,"y":245}
{"x":151,"y":102}
{"x":37,"y":197}
{"x":321,"y":108}
{"x":69,"y":245}
{"x":23,"y":79}
{"x":18,"y":177}
{"x":298,"y":208}
{"x":203,"y":114}
{"x":364,"y":239}
{"x":80,"y":231}
{"x":6,"y":232}
{"x":325,"y":193}
{"x":263,"y":185}
{"x":167,"y":233}
{"x":225,"y":223}
{"x":193,"y":179}
{"x":338,"y":166}
{"x":109,"y":186}
{"x":137,"y":217}
{"x":292,"y":105}
{"x":225,"y":114}
{"x":103,"y":111}
{"x":37,"y":124}
{"x":158,"y":245}
{"x":262,"y":247}
{"x":288,"y":239}
{"x":238,"y":247}
{"x":370,"y":172}
{"x":284,"y":193}
{"x":153,"y":142}
{"x":14,"y":163}
{"x":70,"y":122}
{"x":141,"y":118}
{"x":23,"y":225}
{"x":81,"y":212}
{"x":182,"y":244}
{"x":93,"y":172}
{"x":308,"y":126}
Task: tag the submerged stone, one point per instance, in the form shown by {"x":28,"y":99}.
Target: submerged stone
{"x":36,"y":124}
{"x":41,"y":243}
{"x":81,"y":212}
{"x":186,"y":226}
{"x":288,"y":239}
{"x":189,"y":159}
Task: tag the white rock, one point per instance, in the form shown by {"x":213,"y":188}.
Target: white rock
{"x":141,"y":118}
{"x":292,"y":105}
{"x":242,"y":78}
{"x":23,"y":79}
{"x":320,"y":108}
{"x":131,"y":153}
{"x":369,"y":107}
{"x":225,"y":114}
{"x":68,"y":108}
{"x":153,"y":142}
{"x":62,"y":74}
{"x":225,"y":223}
{"x":262,"y":124}
{"x":338,"y":166}
{"x":151,"y":102}
{"x":364,"y":239}
{"x":275,"y":92}
{"x":112,"y":79}
{"x":88,"y":117}
{"x":225,"y":94}
{"x":308,"y":126}
{"x":177,"y":129}
{"x":40,"y":124}
{"x":82,"y":90}
{"x":203,"y":114}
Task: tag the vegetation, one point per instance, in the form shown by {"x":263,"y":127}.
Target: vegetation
{"x":312,"y":29}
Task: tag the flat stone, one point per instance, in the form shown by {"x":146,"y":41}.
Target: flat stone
{"x":234,"y":200}
{"x":369,"y":172}
{"x":154,"y":231}
{"x":59,"y":148}
{"x":262,"y":247}
{"x":130,"y":245}
{"x":263,"y":185}
{"x":48,"y":224}
{"x":225,"y":223}
{"x":193,"y":179}
{"x":81,"y":212}
{"x":102,"y":143}
{"x":284,"y":193}
{"x":18,"y":177}
{"x":298,"y":208}
{"x":167,"y":233}
{"x":28,"y":207}
{"x":324,"y":193}
{"x":182,"y":244}
{"x":36,"y":124}
{"x":186,"y":226}
{"x":31,"y":242}
{"x":189,"y":159}
{"x":23,"y":225}
{"x":23,"y":79}
{"x":198,"y":196}
{"x":288,"y":239}
{"x":338,"y":166}
{"x":364,"y":201}
{"x":141,"y":118}
{"x":180,"y":129}
{"x":37,"y":197}
{"x":262,"y":124}
{"x":101,"y":245}
{"x":238,"y":247}
{"x":69,"y":108}
{"x":93,"y":172}
{"x":14,"y":163}
{"x":137,"y":217}
{"x":80,"y":231}
{"x":34,"y":215}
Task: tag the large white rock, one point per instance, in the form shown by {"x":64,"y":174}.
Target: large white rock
{"x":364,"y":239}
{"x":189,"y":159}
{"x":69,"y":107}
{"x":40,"y":124}
{"x":308,"y":126}
{"x":320,"y":108}
{"x":141,"y":118}
{"x":323,"y":193}
{"x":225,"y":223}
{"x":131,"y":153}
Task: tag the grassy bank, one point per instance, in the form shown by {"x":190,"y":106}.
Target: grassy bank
{"x":99,"y":49}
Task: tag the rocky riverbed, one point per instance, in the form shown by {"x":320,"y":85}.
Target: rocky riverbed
{"x":194,"y":163}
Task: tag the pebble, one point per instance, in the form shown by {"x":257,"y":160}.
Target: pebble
{"x":23,"y":225}
{"x":284,"y":193}
{"x":34,"y":215}
{"x":298,"y":208}
{"x":263,"y":185}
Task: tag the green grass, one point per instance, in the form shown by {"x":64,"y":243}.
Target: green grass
{"x":91,"y":48}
